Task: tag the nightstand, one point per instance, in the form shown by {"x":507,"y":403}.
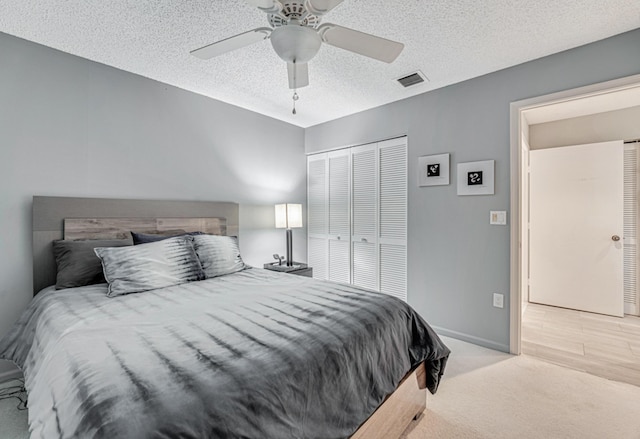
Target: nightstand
{"x":298,"y":268}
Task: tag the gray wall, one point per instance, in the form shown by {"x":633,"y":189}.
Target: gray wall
{"x":601,"y":127}
{"x":456,"y":259}
{"x":71,"y":127}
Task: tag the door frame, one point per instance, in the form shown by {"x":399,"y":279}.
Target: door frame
{"x":519,"y":127}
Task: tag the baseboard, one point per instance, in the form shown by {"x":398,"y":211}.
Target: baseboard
{"x":10,"y":375}
{"x":472,"y":339}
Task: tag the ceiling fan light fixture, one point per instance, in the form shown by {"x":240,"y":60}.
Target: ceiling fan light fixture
{"x":296,"y":36}
{"x":295,"y":44}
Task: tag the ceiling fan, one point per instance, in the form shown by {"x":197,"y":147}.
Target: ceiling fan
{"x":296,"y":35}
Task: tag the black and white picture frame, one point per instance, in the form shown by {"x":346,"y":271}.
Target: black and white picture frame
{"x":476,"y":178}
{"x":433,"y":170}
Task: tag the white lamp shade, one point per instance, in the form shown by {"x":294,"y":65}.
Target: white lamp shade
{"x":281,"y":216}
{"x":294,"y":215}
{"x":288,"y":216}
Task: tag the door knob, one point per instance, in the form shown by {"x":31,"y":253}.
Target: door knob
{"x":615,"y":238}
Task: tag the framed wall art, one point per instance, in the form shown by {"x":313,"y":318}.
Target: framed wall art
{"x":476,"y":178}
{"x":433,"y":170}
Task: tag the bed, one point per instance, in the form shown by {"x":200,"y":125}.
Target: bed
{"x":251,"y":353}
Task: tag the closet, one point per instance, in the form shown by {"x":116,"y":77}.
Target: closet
{"x":357,"y":216}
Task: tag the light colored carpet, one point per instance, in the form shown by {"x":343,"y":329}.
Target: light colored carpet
{"x":487,"y":394}
{"x":490,"y":395}
{"x":13,"y":422}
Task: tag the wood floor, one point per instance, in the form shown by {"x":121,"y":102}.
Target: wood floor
{"x":605,"y":346}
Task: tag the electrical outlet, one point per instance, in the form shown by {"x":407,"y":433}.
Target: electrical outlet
{"x":498,"y":300}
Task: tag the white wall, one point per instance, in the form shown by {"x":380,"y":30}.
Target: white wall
{"x":71,"y":127}
{"x":456,"y":260}
{"x":602,"y":127}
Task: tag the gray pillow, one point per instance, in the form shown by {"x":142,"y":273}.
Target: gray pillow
{"x":150,"y":266}
{"x":77,"y":264}
{"x":218,"y":255}
{"x":145,"y":238}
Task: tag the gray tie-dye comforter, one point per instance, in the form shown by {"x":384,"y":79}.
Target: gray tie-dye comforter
{"x":254,"y":354}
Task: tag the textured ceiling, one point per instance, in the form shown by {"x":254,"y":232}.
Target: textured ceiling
{"x":449,"y":40}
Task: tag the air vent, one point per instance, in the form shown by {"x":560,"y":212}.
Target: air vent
{"x":412,"y":79}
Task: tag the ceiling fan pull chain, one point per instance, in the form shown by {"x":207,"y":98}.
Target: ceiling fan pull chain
{"x":295,"y":98}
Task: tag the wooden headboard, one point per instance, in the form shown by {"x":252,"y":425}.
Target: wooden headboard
{"x":104,"y":218}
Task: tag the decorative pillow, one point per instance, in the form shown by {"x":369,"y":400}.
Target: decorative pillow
{"x":218,"y":255}
{"x":150,"y":266}
{"x":145,"y":238}
{"x":77,"y":264}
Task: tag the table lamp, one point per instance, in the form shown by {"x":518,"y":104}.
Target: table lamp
{"x":289,"y":216}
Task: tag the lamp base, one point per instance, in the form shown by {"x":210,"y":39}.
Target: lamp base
{"x":289,"y":248}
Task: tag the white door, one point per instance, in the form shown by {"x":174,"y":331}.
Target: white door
{"x":576,"y":227}
{"x":317,"y":211}
{"x":631,"y":297}
{"x":392,"y":230}
{"x":364,"y":208}
{"x":339,"y":217}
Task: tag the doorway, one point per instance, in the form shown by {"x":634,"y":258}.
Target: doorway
{"x":572,"y":105}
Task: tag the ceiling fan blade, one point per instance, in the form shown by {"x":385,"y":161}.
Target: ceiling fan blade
{"x":262,"y":4}
{"x":361,"y":43}
{"x":232,"y":43}
{"x":321,"y":7}
{"x":298,"y":75}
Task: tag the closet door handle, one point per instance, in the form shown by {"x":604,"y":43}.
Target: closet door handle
{"x":615,"y":238}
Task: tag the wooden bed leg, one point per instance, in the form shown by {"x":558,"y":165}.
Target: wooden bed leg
{"x":422,"y":408}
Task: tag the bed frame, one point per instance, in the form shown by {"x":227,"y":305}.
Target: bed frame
{"x":101,"y":218}
{"x":396,"y":413}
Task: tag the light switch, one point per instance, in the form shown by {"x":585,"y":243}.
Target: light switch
{"x":498,"y":217}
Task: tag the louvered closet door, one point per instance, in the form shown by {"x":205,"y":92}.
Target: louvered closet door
{"x":630,"y":255}
{"x":392,"y":156}
{"x":339,"y":217}
{"x":364,"y":204}
{"x":317,"y":215}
